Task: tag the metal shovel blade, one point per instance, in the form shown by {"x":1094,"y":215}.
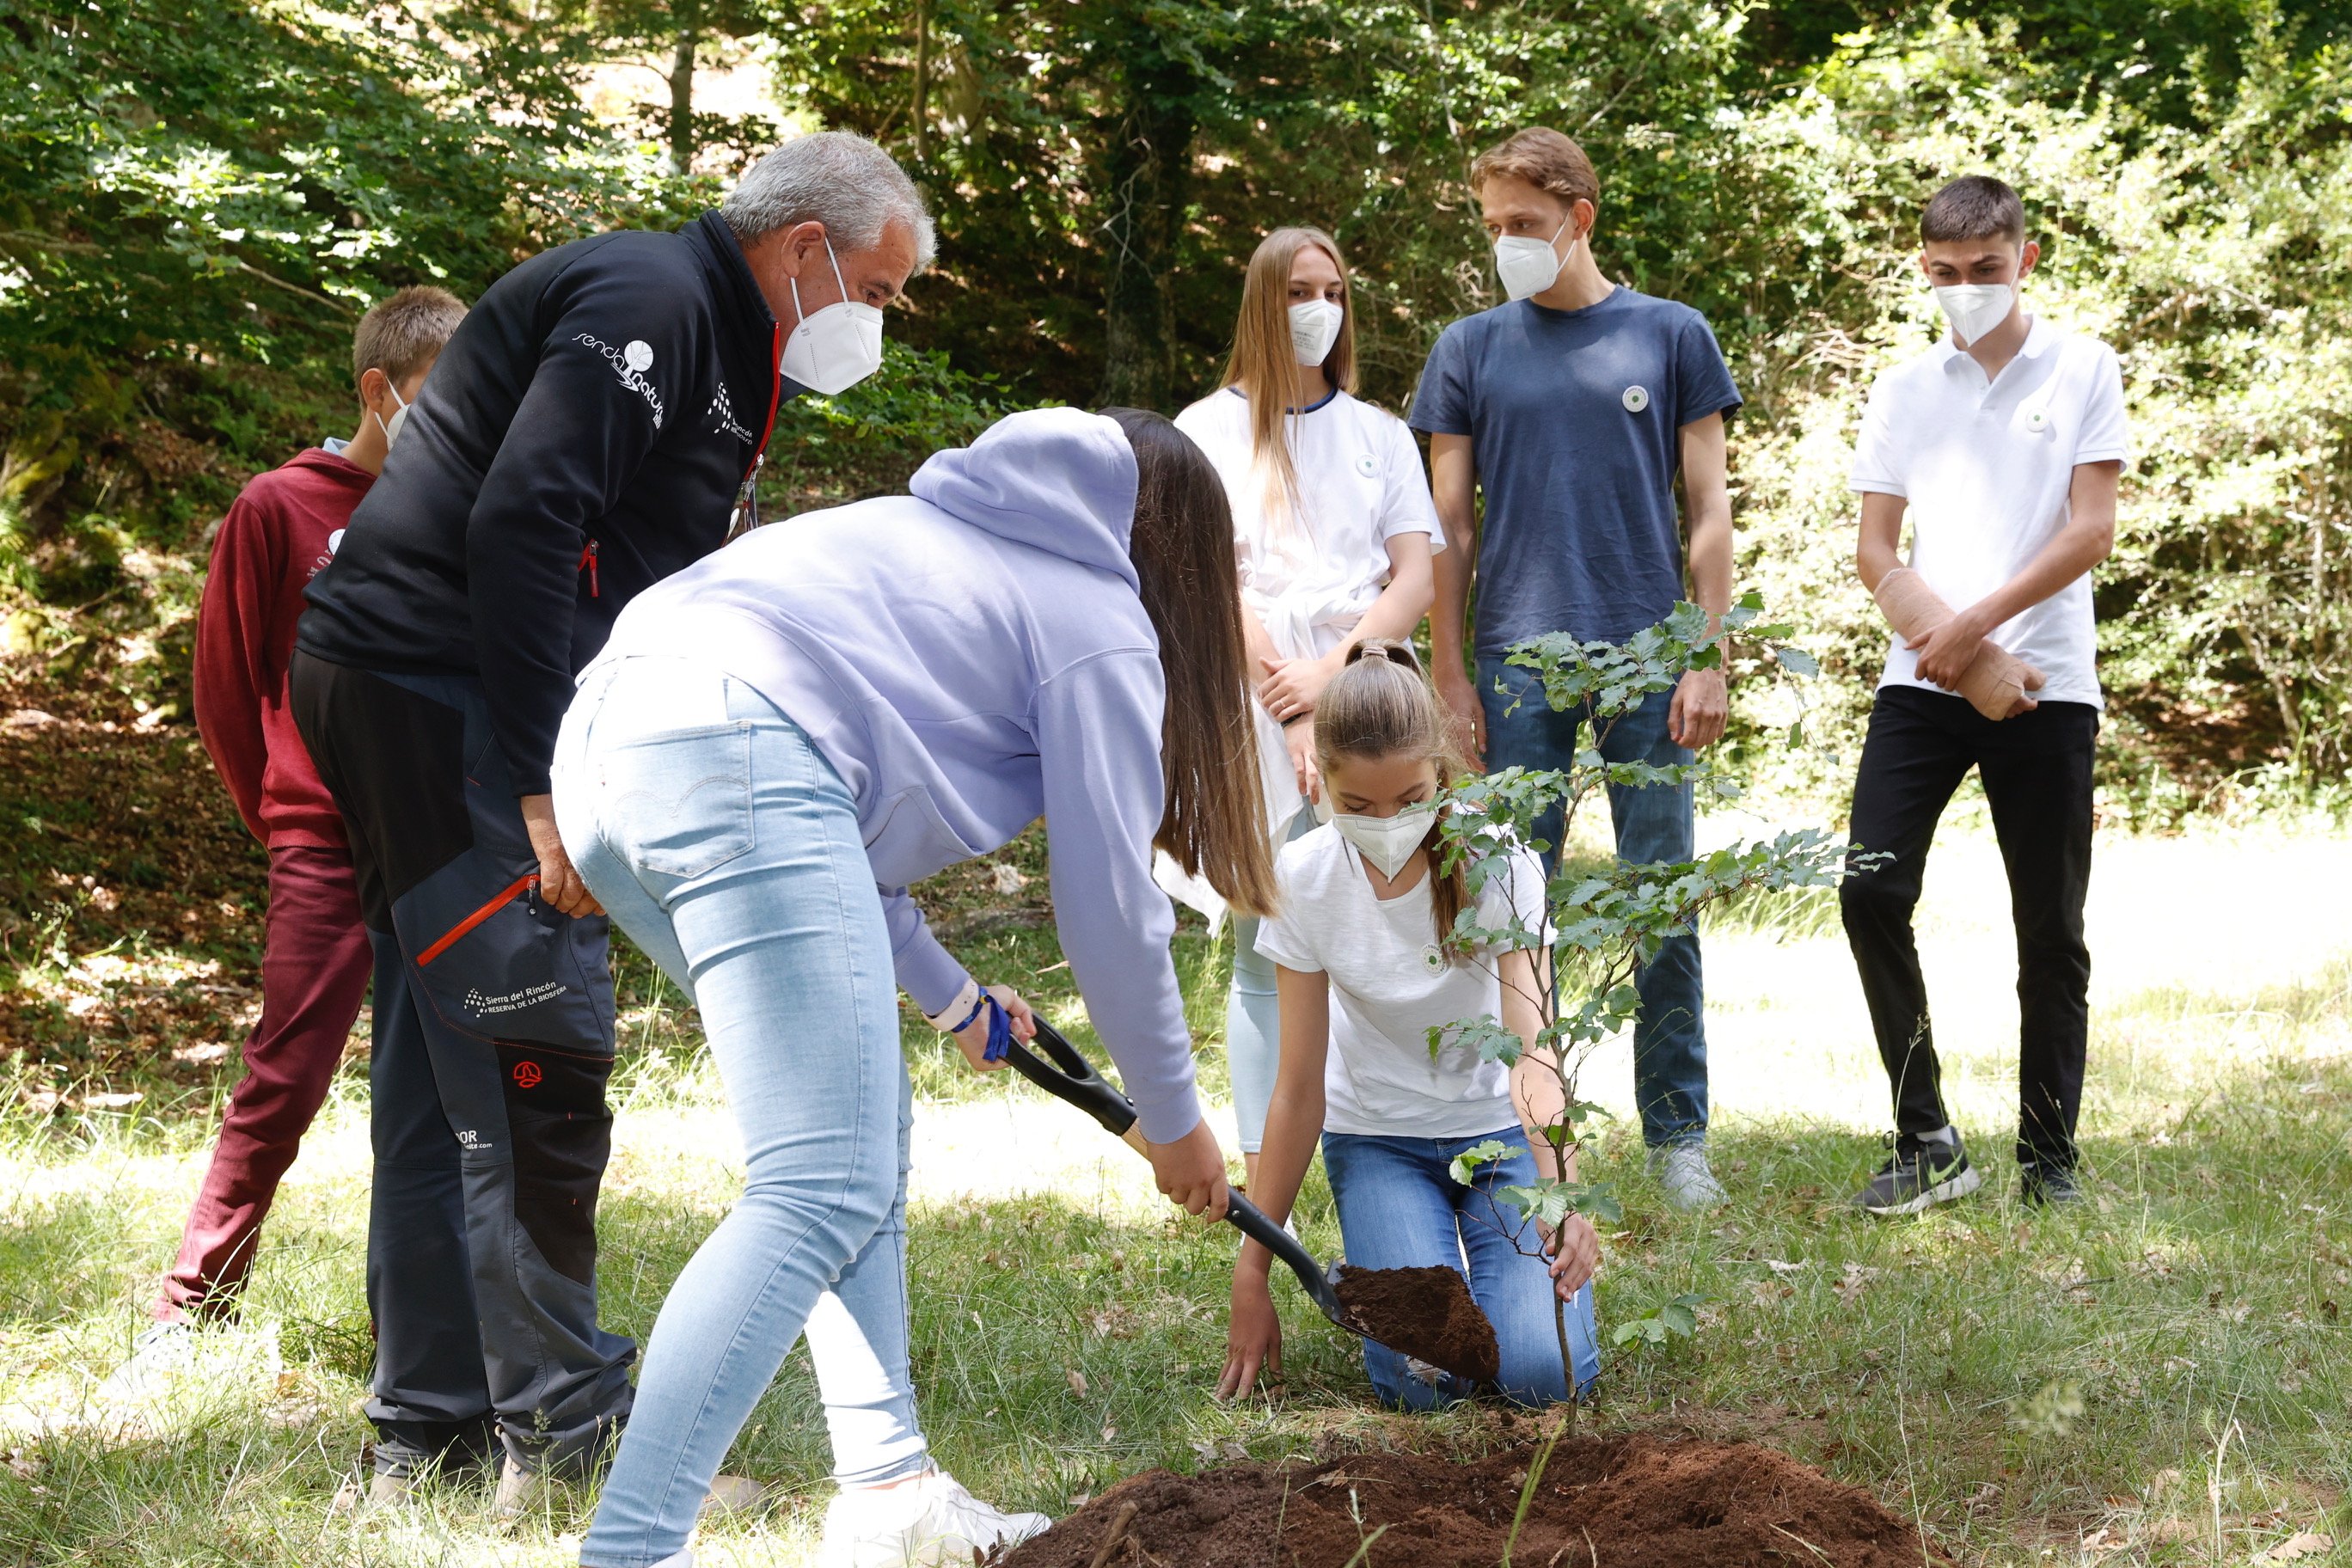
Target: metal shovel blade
{"x":1425,"y":1313}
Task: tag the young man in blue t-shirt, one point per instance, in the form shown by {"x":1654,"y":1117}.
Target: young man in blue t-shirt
{"x":1572,"y":408}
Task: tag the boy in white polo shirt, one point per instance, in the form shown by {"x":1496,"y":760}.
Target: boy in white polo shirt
{"x":2004,"y":444}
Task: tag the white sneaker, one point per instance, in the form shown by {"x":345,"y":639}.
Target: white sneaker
{"x":160,"y":1353}
{"x":922,"y":1523}
{"x":1682,"y":1170}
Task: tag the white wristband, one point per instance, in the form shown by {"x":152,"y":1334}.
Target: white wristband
{"x":956,"y":1012}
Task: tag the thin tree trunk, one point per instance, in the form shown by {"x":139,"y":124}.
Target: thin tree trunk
{"x":1146,"y":185}
{"x":922,"y":78}
{"x":681,"y":98}
{"x":1567,"y":1362}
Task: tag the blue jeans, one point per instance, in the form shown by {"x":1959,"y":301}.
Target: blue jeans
{"x":1400,"y":1208}
{"x":1254,"y":1018}
{"x":1653,"y":825}
{"x":727,"y":848}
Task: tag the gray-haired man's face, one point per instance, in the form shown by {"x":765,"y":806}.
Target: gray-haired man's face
{"x":796,"y":256}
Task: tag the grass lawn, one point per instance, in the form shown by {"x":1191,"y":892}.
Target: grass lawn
{"x":2163,"y":1375}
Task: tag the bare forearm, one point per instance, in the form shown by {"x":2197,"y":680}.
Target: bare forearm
{"x":1293,"y":1124}
{"x":1875,"y":551}
{"x":1710,"y":561}
{"x":1398,"y":610}
{"x":2073,"y":553}
{"x":1707,"y":498}
{"x":1259,"y":643}
{"x":1452,"y":486}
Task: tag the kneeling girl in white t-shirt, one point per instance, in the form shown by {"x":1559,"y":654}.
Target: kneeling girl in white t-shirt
{"x":1364,"y":970}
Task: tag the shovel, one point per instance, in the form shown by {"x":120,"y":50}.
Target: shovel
{"x":1425,"y":1313}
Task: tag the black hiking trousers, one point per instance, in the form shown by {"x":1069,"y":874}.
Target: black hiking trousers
{"x":493,"y":1042}
{"x":2036,"y":769}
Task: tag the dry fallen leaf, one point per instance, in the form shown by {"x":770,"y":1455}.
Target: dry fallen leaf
{"x":2302,"y":1543}
{"x":1077,"y":1381}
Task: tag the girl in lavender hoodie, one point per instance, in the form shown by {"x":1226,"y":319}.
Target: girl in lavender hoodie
{"x":773,"y":745}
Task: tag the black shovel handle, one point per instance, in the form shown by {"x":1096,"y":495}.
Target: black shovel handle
{"x":1069,"y":1076}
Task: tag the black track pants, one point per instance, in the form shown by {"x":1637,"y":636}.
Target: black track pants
{"x":2036,"y":769}
{"x":493,"y":1042}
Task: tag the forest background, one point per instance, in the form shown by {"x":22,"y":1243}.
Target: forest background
{"x":197,"y":199}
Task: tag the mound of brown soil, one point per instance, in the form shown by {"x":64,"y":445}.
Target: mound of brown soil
{"x":1424,"y":1312}
{"x":1624,"y":1502}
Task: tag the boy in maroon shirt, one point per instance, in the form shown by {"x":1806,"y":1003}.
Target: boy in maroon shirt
{"x":316,"y":961}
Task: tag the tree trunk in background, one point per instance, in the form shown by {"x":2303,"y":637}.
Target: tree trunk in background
{"x":1145,"y":187}
{"x":922,"y":81}
{"x":681,"y":95}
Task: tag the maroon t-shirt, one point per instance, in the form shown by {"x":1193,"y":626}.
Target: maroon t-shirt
{"x":282,"y":529}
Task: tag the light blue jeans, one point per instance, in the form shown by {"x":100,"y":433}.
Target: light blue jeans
{"x":727,"y":848}
{"x":1254,"y":1018}
{"x":1400,"y":1208}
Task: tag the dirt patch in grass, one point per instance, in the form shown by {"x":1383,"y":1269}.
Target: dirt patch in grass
{"x":1424,"y":1312}
{"x":1617,"y":1502}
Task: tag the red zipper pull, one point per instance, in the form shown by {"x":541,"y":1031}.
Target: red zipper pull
{"x":588,"y":564}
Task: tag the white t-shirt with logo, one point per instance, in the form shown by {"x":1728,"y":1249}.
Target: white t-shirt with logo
{"x":1985,"y":468}
{"x":1390,"y":984}
{"x":1361,"y":483}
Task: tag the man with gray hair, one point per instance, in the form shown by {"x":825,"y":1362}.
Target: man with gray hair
{"x":596,"y":424}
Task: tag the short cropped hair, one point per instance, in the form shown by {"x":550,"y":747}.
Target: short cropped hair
{"x":1974,"y":206}
{"x":1544,"y":159}
{"x":400,"y":335}
{"x":832,"y":177}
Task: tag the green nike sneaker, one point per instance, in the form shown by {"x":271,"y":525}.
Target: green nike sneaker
{"x":1921,"y":1173}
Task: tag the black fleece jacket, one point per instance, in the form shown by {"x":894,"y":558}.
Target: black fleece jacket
{"x":584,"y":435}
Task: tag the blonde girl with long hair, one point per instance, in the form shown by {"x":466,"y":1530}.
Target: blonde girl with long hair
{"x":1333,"y":533}
{"x":1366,"y":965}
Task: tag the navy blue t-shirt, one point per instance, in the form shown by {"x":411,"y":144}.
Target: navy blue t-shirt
{"x":1575,"y":421}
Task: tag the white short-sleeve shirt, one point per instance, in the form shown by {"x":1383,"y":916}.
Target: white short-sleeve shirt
{"x":1390,"y":984}
{"x":1985,"y":468}
{"x":1310,"y":578}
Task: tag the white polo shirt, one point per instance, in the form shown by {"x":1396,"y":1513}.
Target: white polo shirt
{"x":1985,"y":468}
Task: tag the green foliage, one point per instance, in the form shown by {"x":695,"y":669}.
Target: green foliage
{"x":1674,"y":1320}
{"x":199,"y":198}
{"x":1599,"y":928}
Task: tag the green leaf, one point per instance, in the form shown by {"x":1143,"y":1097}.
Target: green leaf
{"x":1465,"y":1165}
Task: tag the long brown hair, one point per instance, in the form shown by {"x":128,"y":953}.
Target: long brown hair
{"x":1263,"y":364}
{"x":1382,"y":705}
{"x":1182,"y":547}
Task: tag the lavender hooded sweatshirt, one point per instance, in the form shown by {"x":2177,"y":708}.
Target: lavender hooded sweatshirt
{"x":969,"y":658}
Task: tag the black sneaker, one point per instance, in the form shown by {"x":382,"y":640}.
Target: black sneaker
{"x":2048,"y":1187}
{"x":1922,"y":1173}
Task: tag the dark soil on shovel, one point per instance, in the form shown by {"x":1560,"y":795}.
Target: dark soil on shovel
{"x":1616,"y":1502}
{"x":1424,"y":1312}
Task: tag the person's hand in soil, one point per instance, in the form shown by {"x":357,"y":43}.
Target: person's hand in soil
{"x":1192,"y":1172}
{"x":1575,"y":1250}
{"x":972,"y":1038}
{"x":1254,"y":1332}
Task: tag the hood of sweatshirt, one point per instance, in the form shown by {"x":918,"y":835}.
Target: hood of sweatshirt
{"x":1058,"y":479}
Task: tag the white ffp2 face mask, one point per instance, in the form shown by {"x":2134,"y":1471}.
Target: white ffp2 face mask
{"x":1388,"y":842}
{"x":1315,"y":328}
{"x":1526,"y":265}
{"x":391,"y":426}
{"x":1976,"y":308}
{"x":835,"y":348}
